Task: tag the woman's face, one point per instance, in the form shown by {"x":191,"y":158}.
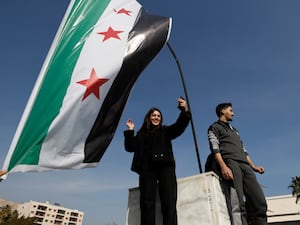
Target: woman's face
{"x":155,"y":118}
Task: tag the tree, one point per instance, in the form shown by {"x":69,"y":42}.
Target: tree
{"x":9,"y":217}
{"x":295,"y":185}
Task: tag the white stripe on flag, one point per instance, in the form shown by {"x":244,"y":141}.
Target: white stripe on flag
{"x":76,"y":117}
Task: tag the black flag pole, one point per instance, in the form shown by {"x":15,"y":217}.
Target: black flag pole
{"x":188,"y":103}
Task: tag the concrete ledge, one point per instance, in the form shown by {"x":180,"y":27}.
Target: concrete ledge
{"x":200,"y":202}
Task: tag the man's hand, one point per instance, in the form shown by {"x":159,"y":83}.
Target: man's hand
{"x":227,"y":173}
{"x":225,"y":170}
{"x":258,"y":169}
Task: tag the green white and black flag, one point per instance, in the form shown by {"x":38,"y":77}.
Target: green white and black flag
{"x":99,"y":51}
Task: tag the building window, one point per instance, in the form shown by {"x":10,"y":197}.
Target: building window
{"x":74,"y":214}
{"x":60,"y":211}
{"x":73,"y":219}
{"x":39,"y":213}
{"x":41,"y":207}
{"x":59,"y":217}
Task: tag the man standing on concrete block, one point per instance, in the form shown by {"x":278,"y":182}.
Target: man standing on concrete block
{"x":237,"y":167}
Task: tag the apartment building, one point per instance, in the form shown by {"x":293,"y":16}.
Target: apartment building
{"x":283,"y":210}
{"x":46,"y":213}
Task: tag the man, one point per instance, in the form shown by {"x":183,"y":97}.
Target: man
{"x":237,"y":168}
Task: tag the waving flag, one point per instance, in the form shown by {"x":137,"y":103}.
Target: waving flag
{"x":99,"y":51}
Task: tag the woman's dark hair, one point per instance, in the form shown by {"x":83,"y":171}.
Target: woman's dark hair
{"x":222,"y":106}
{"x":147,"y":122}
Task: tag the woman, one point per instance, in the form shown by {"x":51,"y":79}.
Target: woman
{"x":154,"y":161}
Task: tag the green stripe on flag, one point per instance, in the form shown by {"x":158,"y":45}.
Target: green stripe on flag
{"x":56,"y":80}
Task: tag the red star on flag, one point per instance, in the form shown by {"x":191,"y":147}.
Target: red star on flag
{"x":123,"y":11}
{"x":110,"y":33}
{"x":92,"y":85}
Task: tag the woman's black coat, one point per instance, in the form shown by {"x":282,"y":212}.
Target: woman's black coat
{"x":161,"y":145}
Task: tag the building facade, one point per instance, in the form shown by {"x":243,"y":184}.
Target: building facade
{"x":283,"y":210}
{"x":46,"y":213}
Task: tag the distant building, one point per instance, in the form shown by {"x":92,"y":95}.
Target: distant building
{"x":46,"y":213}
{"x":283,"y":210}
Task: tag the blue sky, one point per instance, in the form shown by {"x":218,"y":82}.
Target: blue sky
{"x":245,"y":52}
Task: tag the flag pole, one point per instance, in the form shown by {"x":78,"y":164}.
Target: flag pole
{"x":188,"y":103}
